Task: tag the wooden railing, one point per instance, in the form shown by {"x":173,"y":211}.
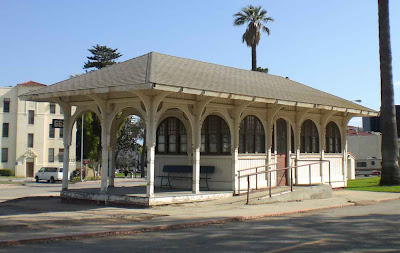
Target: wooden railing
{"x":290,"y":168}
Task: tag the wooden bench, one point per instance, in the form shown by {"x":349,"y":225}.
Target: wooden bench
{"x":174,"y":171}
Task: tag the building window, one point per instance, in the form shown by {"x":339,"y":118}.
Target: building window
{"x":372,"y":162}
{"x":6,"y":128}
{"x":31,"y":117}
{"x":171,"y":137}
{"x":52,"y":108}
{"x":51,"y":155}
{"x":51,"y":131}
{"x":215,"y":136}
{"x":61,"y":133}
{"x":4,"y":155}
{"x":30,"y":140}
{"x":61,"y":155}
{"x":251,"y":136}
{"x":333,"y":138}
{"x":309,"y":139}
{"x":6,"y":105}
{"x":361,"y":164}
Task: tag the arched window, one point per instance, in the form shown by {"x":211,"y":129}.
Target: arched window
{"x":251,"y":136}
{"x":309,"y":139}
{"x":333,"y":139}
{"x":215,"y":136}
{"x":171,"y":137}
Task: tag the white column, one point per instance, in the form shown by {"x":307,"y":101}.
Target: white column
{"x":111,"y":173}
{"x":104,"y":167}
{"x":196,"y":157}
{"x":235,"y":156}
{"x":67,"y":131}
{"x":269,"y":148}
{"x":65,"y":166}
{"x":151,"y":124}
{"x":104,"y":154}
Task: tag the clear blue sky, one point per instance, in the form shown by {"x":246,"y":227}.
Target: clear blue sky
{"x":331,"y":45}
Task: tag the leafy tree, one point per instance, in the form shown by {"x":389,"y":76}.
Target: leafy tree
{"x":259,"y":69}
{"x":390,"y":165}
{"x":102,"y":56}
{"x":91,"y":137}
{"x":128,"y":137}
{"x":256,"y":19}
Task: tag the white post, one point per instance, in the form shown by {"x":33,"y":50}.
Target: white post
{"x":65,"y":166}
{"x":83,"y":117}
{"x":235,"y":156}
{"x":151,"y":147}
{"x":196,"y":157}
{"x":104,"y":154}
{"x":111,"y":171}
{"x":67,"y":129}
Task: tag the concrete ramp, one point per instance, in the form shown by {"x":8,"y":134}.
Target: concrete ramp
{"x":299,"y":193}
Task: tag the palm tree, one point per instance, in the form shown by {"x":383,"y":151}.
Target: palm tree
{"x":390,"y":165}
{"x":256,"y":19}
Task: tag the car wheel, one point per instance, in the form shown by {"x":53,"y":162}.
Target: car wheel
{"x":52,"y":180}
{"x":37,"y":179}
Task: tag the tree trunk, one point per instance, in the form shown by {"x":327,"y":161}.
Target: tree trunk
{"x":390,"y":167}
{"x":143,"y":156}
{"x":253,"y":58}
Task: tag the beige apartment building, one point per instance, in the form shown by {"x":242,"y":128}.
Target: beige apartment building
{"x":28,"y":140}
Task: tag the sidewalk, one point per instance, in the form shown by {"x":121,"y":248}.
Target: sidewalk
{"x":46,"y":219}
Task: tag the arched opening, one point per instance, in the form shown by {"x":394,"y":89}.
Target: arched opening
{"x":215,"y":136}
{"x":127,"y":156}
{"x":309,"y":137}
{"x":251,"y":135}
{"x":171,"y":137}
{"x":333,"y":138}
{"x":90,"y":159}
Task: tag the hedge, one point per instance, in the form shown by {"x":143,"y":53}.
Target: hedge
{"x":6,"y":173}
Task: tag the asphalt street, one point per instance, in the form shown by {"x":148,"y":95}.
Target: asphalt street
{"x":370,"y":228}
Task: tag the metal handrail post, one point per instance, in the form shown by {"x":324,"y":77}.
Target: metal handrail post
{"x":256,"y":179}
{"x":291,"y":179}
{"x":309,"y":168}
{"x":248,"y":189}
{"x":329,"y":167}
{"x":270,"y":185}
{"x":322,"y":172}
{"x":239,"y":182}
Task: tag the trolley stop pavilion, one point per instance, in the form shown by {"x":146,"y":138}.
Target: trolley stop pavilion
{"x":207,"y":127}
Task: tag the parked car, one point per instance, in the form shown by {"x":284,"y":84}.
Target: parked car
{"x":50,"y":174}
{"x":375,"y":173}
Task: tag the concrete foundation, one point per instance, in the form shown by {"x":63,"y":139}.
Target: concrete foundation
{"x":135,"y":196}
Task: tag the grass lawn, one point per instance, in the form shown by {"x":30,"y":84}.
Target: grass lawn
{"x":370,"y":184}
{"x":119,"y":175}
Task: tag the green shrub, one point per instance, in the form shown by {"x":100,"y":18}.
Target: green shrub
{"x":6,"y":173}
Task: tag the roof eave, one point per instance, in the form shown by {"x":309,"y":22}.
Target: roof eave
{"x":49,"y":96}
{"x":362,"y":113}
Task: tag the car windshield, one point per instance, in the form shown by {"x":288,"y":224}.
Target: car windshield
{"x":41,"y":170}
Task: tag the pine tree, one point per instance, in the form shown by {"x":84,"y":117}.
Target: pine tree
{"x":103,"y":56}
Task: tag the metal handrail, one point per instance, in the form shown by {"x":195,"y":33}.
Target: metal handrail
{"x":286,"y":168}
{"x":252,"y":168}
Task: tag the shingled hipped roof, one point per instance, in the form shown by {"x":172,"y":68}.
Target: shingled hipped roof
{"x":165,"y":72}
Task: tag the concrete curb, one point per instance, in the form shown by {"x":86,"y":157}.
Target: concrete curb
{"x":159,"y":228}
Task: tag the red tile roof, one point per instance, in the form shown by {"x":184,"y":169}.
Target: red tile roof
{"x":32,"y":83}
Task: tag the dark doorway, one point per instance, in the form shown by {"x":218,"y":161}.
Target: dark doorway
{"x":29,"y":169}
{"x":281,"y":148}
